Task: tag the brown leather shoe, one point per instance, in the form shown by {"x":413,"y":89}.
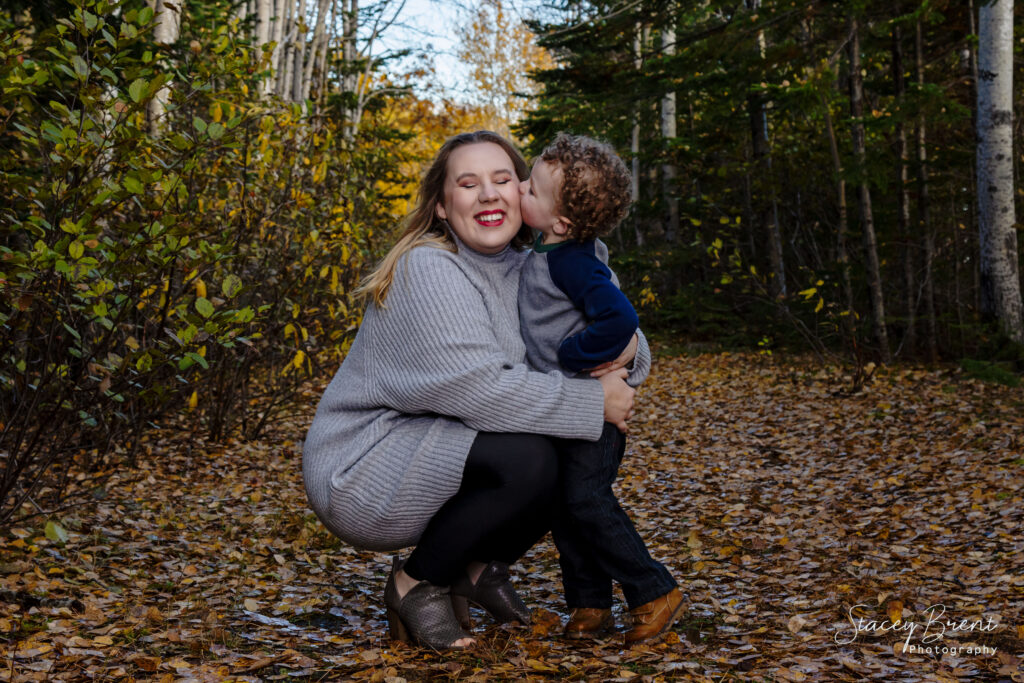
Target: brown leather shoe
{"x":588,"y":622}
{"x":655,"y":617}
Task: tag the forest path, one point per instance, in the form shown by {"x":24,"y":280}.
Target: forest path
{"x":777,"y":499}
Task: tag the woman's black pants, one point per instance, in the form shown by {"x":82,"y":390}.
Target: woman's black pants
{"x":504,"y":505}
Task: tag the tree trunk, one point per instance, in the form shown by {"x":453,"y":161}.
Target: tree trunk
{"x":350,"y":80}
{"x":842,"y":228}
{"x":298,"y":72}
{"x":766,"y":211}
{"x":924,"y":209}
{"x":277,"y":35}
{"x":634,"y":145}
{"x":669,"y":192}
{"x":1000,"y":280}
{"x":264,"y":9}
{"x":167,"y":27}
{"x":321,"y":59}
{"x":871,"y":264}
{"x":284,"y":61}
{"x":264,"y":13}
{"x":319,"y":38}
{"x":903,"y":195}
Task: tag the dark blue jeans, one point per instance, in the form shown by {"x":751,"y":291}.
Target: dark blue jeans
{"x":597,"y":543}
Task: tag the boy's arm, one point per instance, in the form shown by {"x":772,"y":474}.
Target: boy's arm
{"x":611,"y":319}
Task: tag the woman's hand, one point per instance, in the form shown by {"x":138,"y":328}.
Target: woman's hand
{"x":624,"y":359}
{"x":618,"y":398}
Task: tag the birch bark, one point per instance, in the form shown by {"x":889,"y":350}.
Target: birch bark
{"x":165,"y":31}
{"x":319,"y":36}
{"x":1000,"y":279}
{"x":639,"y":39}
{"x":668,"y":133}
{"x":298,"y":71}
{"x":350,"y":81}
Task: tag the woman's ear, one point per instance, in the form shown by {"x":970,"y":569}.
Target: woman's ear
{"x":441,"y":213}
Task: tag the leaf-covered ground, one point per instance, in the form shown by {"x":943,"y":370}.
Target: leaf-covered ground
{"x":778,"y":500}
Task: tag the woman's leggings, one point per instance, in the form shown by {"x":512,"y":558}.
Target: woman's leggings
{"x":504,"y":505}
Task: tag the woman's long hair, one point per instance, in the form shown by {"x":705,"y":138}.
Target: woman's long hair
{"x":424,"y":227}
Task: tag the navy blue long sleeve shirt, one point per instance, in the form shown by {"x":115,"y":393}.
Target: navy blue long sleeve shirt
{"x":572,"y":313}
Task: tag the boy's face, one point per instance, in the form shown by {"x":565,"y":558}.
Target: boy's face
{"x":539,"y":200}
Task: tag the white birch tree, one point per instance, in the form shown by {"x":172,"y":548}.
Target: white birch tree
{"x":639,"y":40}
{"x":1000,"y":279}
{"x":668,"y":133}
{"x":167,"y":28}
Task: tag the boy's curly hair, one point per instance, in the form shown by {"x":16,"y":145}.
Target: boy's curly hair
{"x":596,"y":187}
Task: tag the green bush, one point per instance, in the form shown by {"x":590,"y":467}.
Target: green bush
{"x":197,"y":261}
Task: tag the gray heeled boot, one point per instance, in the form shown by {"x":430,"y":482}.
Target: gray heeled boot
{"x":494,"y":592}
{"x":424,"y":616}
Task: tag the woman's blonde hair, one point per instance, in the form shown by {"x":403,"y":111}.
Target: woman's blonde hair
{"x":424,"y":227}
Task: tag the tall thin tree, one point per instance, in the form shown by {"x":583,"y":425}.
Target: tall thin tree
{"x":924,"y":207}
{"x":1000,"y":279}
{"x":766,"y":212}
{"x":669,"y":192}
{"x":903,"y":194}
{"x":639,"y":39}
{"x":167,"y":28}
{"x":871,"y":263}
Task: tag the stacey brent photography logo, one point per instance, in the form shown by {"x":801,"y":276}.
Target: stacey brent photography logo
{"x":922,"y":637}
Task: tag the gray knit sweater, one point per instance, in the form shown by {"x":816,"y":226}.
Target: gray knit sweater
{"x":442,"y":360}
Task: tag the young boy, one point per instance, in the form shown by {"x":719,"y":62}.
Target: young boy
{"x":573,"y":318}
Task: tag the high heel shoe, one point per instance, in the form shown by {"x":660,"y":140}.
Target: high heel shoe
{"x":494,"y":592}
{"x":424,"y":616}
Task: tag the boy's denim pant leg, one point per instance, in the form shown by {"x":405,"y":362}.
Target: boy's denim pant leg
{"x":596,"y":541}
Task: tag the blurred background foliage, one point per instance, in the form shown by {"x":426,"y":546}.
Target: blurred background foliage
{"x":192,"y":189}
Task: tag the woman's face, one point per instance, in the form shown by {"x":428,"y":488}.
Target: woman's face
{"x":481,"y":197}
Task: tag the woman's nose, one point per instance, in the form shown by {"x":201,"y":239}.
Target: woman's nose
{"x":488,"y":192}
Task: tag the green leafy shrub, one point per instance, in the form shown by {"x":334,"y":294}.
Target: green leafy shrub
{"x":195,"y":256}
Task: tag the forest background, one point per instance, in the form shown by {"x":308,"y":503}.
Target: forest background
{"x":193,"y":188}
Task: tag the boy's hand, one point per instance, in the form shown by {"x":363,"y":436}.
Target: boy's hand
{"x":624,"y":359}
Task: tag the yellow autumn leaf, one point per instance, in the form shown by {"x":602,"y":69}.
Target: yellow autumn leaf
{"x":200,"y":288}
{"x":895,"y":611}
{"x":193,"y":401}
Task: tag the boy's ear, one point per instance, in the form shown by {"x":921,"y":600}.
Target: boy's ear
{"x":439,"y":210}
{"x":561,"y":226}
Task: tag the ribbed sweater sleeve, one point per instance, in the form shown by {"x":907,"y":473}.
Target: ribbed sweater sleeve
{"x":641,"y":362}
{"x":436,"y":352}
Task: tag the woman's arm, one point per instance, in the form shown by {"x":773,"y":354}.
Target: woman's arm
{"x":435,"y":352}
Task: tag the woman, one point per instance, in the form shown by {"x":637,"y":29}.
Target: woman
{"x":428,"y":434}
